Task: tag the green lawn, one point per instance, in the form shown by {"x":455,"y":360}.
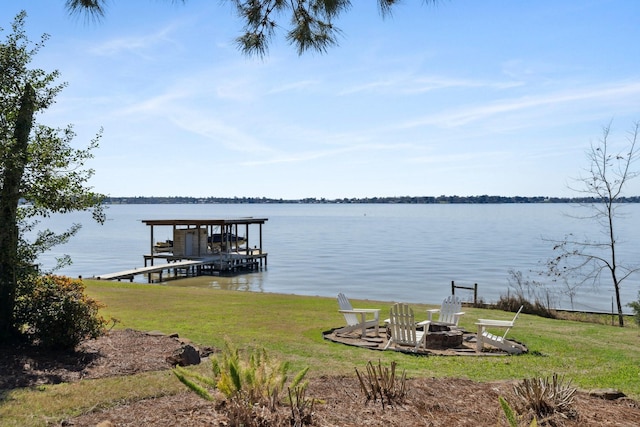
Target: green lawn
{"x":290,"y":327}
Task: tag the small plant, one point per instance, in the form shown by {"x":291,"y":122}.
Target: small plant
{"x":635,"y":305}
{"x":250,"y":385}
{"x":301,"y":407}
{"x":54,"y":311}
{"x":545,"y":396}
{"x":381,"y":382}
{"x":512,"y":416}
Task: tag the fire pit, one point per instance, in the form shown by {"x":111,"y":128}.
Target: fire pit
{"x":442,"y":336}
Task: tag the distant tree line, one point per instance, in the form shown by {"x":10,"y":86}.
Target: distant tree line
{"x":484,"y":199}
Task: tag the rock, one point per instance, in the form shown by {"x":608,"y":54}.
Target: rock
{"x":185,"y":356}
{"x":607,"y":393}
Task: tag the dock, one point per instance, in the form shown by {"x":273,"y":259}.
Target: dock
{"x":153,"y":269}
{"x":200,"y":247}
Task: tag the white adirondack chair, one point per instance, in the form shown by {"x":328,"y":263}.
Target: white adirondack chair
{"x":356,"y":318}
{"x":449,"y":311}
{"x":403,"y":328}
{"x":498,"y":341}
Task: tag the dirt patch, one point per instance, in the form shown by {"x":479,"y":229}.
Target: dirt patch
{"x":429,"y":401}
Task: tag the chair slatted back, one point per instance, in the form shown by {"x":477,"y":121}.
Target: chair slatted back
{"x":512,"y":322}
{"x":402,"y":324}
{"x":450,"y":306}
{"x":344,"y":304}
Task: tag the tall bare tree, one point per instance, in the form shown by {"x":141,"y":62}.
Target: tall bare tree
{"x":591,"y":260}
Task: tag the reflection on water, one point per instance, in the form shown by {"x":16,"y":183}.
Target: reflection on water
{"x":245,"y":282}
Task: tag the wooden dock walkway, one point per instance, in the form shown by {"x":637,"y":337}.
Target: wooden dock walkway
{"x":152,"y":269}
{"x":210,"y":265}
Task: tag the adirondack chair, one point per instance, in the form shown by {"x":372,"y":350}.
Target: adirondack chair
{"x":356,"y":318}
{"x":403,"y":328}
{"x":449,"y":311}
{"x":498,"y":341}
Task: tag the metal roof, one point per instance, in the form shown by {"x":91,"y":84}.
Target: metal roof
{"x":204,"y":222}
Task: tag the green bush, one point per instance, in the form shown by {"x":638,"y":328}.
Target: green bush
{"x":635,"y":305}
{"x":55,"y":312}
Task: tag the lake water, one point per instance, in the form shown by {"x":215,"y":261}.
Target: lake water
{"x":391,"y":252}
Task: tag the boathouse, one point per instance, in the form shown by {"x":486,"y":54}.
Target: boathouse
{"x":201,"y":247}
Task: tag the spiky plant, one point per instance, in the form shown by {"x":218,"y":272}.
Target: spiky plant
{"x":545,"y":396}
{"x":381,"y":382}
{"x":255,"y":381}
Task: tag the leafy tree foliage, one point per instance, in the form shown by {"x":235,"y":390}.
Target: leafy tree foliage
{"x":38,"y":166}
{"x":308,"y":24}
{"x":635,"y":305}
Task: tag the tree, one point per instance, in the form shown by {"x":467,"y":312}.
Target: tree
{"x":606,"y":178}
{"x":37,"y":165}
{"x":310,"y":21}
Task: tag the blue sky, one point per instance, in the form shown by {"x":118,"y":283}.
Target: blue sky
{"x":459,"y":98}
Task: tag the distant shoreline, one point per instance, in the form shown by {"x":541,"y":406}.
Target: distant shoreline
{"x":366,"y":200}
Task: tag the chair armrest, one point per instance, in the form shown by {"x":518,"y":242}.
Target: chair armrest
{"x":374,"y":311}
{"x":460,"y":313}
{"x":489,"y":322}
{"x":424,"y":323}
{"x":431,"y":312}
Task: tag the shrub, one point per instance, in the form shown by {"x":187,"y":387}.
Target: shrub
{"x":533,"y":296}
{"x":54,"y":311}
{"x":635,"y":305}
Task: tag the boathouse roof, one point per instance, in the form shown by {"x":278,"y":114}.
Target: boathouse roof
{"x":205,"y":222}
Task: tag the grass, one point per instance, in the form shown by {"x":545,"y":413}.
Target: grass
{"x":291,"y":326}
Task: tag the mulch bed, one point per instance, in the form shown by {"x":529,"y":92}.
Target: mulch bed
{"x":429,"y":401}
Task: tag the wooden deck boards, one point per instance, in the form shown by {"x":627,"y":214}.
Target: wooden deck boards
{"x":220,"y":262}
{"x":151,"y":269}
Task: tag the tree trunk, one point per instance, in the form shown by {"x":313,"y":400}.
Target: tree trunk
{"x":16,"y":160}
{"x":620,"y":315}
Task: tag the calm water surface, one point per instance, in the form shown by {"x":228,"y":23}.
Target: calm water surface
{"x":385,"y":252}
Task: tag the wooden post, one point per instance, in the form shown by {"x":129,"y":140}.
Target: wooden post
{"x":474,"y":289}
{"x":475,"y":294}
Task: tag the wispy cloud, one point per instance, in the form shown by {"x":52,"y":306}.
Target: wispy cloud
{"x":295,"y":86}
{"x":620,"y":94}
{"x":412,"y":84}
{"x":306,"y":156}
{"x":141,"y":45}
